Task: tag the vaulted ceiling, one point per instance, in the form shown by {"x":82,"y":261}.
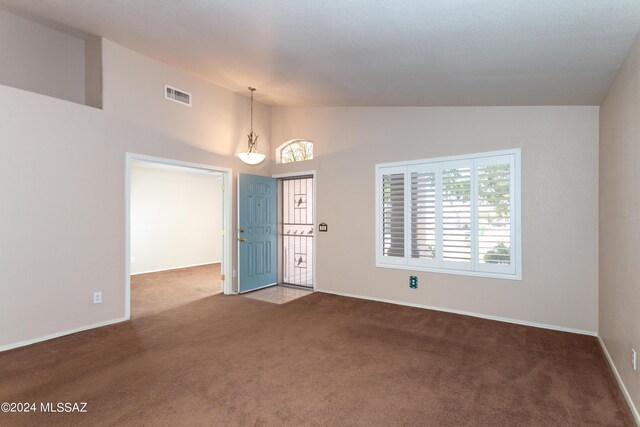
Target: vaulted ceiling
{"x":373,"y":52}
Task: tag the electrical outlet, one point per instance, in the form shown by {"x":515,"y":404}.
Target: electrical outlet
{"x":634,"y":359}
{"x":413,"y":282}
{"x":97,"y":297}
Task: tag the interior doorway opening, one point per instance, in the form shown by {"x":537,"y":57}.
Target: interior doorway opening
{"x":177,"y":252}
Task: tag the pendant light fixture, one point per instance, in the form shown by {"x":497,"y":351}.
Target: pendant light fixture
{"x":252,"y":157}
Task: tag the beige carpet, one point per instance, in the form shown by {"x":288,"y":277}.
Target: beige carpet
{"x":155,"y":292}
{"x":320,"y":360}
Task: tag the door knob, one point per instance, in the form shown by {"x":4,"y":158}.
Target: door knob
{"x":242,"y":239}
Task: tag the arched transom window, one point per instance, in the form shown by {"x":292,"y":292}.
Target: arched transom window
{"x":296,"y":151}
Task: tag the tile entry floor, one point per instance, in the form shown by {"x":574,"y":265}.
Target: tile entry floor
{"x":278,"y":294}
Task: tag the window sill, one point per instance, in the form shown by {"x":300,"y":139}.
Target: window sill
{"x":484,"y":274}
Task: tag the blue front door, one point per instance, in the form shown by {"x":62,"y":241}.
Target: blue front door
{"x":256,"y":232}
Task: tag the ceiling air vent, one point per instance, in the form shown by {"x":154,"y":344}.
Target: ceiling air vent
{"x":177,"y":95}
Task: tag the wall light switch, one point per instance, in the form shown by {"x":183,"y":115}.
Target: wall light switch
{"x":97,"y":297}
{"x":634,"y":359}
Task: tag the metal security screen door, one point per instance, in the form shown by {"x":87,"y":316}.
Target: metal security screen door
{"x":298,"y":231}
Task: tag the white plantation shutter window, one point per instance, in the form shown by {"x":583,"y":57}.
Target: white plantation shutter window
{"x":423,"y":215}
{"x":392,"y":224}
{"x":454,"y":215}
{"x":495,"y":196}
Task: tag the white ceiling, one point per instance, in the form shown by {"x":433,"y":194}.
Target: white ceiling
{"x":374,"y":52}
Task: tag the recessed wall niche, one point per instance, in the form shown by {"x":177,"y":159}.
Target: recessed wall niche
{"x":51,"y":60}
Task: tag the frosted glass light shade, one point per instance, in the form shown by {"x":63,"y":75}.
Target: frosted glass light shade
{"x":251,"y":158}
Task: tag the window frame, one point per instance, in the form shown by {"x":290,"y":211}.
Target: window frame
{"x":474,"y":268}
{"x":289,"y":143}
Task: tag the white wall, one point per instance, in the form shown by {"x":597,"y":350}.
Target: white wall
{"x":93,"y":71}
{"x":217,"y":121}
{"x":39,"y":59}
{"x":62,"y":182}
{"x":620,"y":221}
{"x":176,"y":217}
{"x":559,"y":203}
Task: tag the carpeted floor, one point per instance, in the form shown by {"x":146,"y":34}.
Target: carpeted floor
{"x":155,"y":292}
{"x":319,"y":360}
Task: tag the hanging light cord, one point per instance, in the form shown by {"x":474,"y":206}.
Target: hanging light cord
{"x":251,"y":89}
{"x":252,"y":137}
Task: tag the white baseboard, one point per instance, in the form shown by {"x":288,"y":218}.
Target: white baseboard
{"x":63,"y":333}
{"x":175,"y":268}
{"x":468,"y":313}
{"x":68,"y":332}
{"x":633,"y":408}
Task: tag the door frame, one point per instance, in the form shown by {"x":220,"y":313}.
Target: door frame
{"x":227,"y":182}
{"x":311,"y":173}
